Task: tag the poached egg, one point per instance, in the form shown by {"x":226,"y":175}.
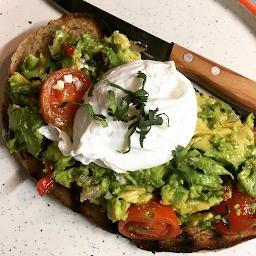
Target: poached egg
{"x":168,"y":90}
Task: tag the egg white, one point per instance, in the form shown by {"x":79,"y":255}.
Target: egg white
{"x":169,"y":91}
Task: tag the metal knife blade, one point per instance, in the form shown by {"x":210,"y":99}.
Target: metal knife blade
{"x":238,"y":90}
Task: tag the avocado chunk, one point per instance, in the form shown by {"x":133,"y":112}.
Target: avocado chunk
{"x":61,"y":162}
{"x":96,"y":193}
{"x":122,"y":44}
{"x":247,"y":177}
{"x":154,"y":176}
{"x":174,"y":192}
{"x":17,"y":79}
{"x":201,"y":219}
{"x":78,"y":174}
{"x":23,"y":132}
{"x":135,"y":195}
{"x":204,"y":202}
{"x":220,"y":134}
{"x":194,"y":183}
{"x":33,"y":66}
{"x":59,"y":38}
{"x":30,"y":62}
{"x":117,"y":209}
{"x":24,"y":93}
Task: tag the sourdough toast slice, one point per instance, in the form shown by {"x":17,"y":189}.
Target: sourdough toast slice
{"x":191,"y":239}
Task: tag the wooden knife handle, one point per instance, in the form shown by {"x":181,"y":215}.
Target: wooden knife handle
{"x":228,"y":85}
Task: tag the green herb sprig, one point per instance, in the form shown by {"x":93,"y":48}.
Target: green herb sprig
{"x":224,"y":217}
{"x":98,"y":117}
{"x":145,"y":228}
{"x":138,"y":99}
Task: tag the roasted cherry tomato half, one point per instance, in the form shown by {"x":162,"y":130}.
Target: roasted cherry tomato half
{"x":151,"y":221}
{"x":240,"y":218}
{"x":58,"y":89}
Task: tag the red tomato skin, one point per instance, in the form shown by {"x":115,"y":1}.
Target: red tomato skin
{"x":68,"y":49}
{"x":64,"y":47}
{"x":44,"y":184}
{"x":49,"y":167}
{"x":151,"y":221}
{"x":51,"y":98}
{"x":238,"y":222}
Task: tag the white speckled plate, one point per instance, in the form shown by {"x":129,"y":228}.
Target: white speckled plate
{"x":221,"y":30}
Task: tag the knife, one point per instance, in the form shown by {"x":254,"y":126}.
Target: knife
{"x":234,"y":88}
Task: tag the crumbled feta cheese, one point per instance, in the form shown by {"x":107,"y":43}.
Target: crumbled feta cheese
{"x":67,"y":79}
{"x":59,"y":85}
{"x":78,"y":83}
{"x":83,"y":63}
{"x":92,"y":69}
{"x":82,"y":60}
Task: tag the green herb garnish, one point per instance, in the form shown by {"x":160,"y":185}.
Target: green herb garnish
{"x":224,"y":219}
{"x":137,"y":99}
{"x":90,"y":90}
{"x":145,"y":228}
{"x":50,"y":63}
{"x":130,"y":228}
{"x":98,"y":117}
{"x":177,"y":152}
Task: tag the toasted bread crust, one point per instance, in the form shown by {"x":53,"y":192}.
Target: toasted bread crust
{"x":190,"y":240}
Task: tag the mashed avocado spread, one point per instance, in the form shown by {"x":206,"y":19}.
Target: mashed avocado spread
{"x":221,"y":149}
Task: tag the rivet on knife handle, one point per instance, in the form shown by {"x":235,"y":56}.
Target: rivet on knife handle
{"x":232,"y":87}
